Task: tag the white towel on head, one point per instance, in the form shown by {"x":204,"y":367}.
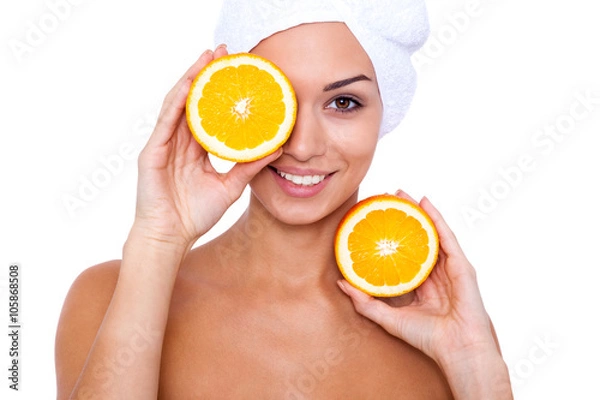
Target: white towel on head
{"x":390,"y":31}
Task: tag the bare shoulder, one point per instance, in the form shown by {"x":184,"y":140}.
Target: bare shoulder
{"x":81,"y":316}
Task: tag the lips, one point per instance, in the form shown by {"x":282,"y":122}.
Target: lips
{"x":300,"y":182}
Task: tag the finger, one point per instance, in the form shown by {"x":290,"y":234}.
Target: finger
{"x":221,"y":50}
{"x":403,"y":323}
{"x":242,"y":173}
{"x":374,"y":309}
{"x":459,"y":270}
{"x":448,"y":240}
{"x":174,"y":104}
{"x":403,"y":195}
{"x":495,"y":336}
{"x":400,"y":301}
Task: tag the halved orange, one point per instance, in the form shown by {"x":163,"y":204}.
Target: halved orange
{"x":241,"y":107}
{"x":386,"y":246}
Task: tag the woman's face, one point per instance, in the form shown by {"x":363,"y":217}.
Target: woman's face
{"x":336,"y":131}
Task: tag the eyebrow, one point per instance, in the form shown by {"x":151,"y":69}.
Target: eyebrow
{"x":345,"y":82}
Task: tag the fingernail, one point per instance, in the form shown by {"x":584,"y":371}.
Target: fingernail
{"x":277,"y":153}
{"x":399,"y":192}
{"x":221,"y":46}
{"x":342,"y":287}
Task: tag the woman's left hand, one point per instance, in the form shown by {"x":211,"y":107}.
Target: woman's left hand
{"x":444,"y":317}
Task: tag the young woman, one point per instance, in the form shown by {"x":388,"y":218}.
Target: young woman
{"x":261,"y":312}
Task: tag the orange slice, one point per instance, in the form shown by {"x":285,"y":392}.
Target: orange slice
{"x":386,"y":246}
{"x":241,"y":107}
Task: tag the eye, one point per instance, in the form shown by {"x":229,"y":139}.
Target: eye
{"x":344,"y":104}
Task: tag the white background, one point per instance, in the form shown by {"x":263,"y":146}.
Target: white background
{"x":488,"y":84}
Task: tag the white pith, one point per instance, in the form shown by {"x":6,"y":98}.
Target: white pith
{"x":242,"y":108}
{"x":387,"y":247}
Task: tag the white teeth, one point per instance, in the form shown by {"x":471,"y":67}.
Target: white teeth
{"x":304,"y":180}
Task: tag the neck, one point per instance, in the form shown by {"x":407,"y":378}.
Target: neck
{"x":285,"y":256}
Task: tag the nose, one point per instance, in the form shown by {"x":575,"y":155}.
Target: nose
{"x":308,"y":138}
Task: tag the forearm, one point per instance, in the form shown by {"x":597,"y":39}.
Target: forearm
{"x":124,"y":361}
{"x":482,"y":375}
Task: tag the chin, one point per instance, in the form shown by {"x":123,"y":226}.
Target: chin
{"x":294,"y":205}
{"x":299,"y":216}
{"x":304,"y":211}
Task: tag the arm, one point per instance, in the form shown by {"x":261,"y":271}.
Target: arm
{"x":110,"y":335}
{"x":446,"y":320}
{"x":179,"y":198}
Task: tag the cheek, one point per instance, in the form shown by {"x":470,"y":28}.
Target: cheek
{"x":361,"y":151}
{"x":357,"y":136}
{"x":356,"y":143}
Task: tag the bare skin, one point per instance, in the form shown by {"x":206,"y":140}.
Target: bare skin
{"x":262,"y":311}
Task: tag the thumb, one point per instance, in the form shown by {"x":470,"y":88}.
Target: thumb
{"x":372,"y":308}
{"x":400,"y":322}
{"x":238,"y":177}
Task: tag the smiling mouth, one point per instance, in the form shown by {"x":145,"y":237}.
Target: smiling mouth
{"x":301,"y":180}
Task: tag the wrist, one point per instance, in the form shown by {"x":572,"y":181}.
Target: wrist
{"x":142,"y":234}
{"x":150,"y":260}
{"x":144,"y":252}
{"x":479,"y":373}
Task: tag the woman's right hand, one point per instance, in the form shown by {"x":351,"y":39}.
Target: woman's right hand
{"x":180,"y":196}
